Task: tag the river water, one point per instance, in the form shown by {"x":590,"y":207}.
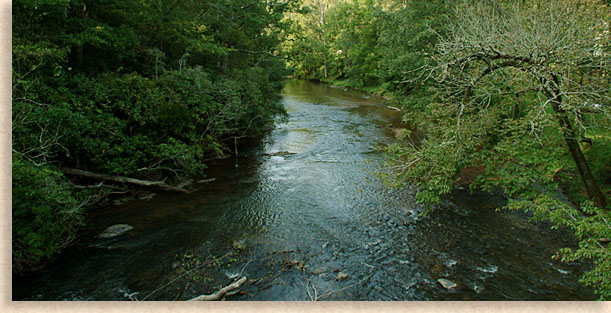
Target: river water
{"x":313,"y":223}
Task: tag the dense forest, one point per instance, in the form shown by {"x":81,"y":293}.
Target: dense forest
{"x":513,"y":96}
{"x":139,"y":89}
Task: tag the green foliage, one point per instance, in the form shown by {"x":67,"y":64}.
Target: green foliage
{"x":372,"y":45}
{"x":599,"y":158}
{"x":239,"y":245}
{"x":46,"y":213}
{"x":338,"y":35}
{"x":409,"y":32}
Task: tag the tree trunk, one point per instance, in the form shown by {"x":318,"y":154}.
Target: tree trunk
{"x":570,"y":137}
{"x":121,"y":179}
{"x":323,"y":9}
{"x":222,"y":292}
{"x":326,"y":68}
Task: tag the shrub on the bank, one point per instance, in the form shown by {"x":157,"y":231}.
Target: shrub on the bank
{"x":46,"y":213}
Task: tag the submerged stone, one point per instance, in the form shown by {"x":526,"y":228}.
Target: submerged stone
{"x":114,"y":231}
{"x":447,"y":284}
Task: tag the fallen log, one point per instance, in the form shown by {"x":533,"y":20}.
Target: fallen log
{"x":222,"y":292}
{"x":121,"y":179}
{"x":393,"y":108}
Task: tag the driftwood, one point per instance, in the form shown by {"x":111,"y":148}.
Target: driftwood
{"x":121,"y":179}
{"x":222,"y":292}
{"x":393,"y":108}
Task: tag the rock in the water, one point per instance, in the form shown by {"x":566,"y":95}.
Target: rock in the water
{"x":114,"y":231}
{"x":341,"y":276}
{"x":491,"y":269}
{"x":450,"y":262}
{"x":447,"y":284}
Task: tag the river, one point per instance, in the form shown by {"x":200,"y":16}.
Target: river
{"x":304,"y":217}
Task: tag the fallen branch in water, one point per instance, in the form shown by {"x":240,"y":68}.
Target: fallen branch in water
{"x":328,"y":293}
{"x":121,"y":179}
{"x":222,"y":292}
{"x":184,"y":183}
{"x":315,"y":298}
{"x":393,"y":108}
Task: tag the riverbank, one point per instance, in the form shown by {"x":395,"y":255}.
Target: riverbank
{"x":374,"y":91}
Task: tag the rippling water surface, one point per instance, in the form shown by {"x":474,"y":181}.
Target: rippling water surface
{"x":307,"y":216}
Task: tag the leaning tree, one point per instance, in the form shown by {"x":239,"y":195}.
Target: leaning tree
{"x":521,"y":89}
{"x":557,"y":49}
